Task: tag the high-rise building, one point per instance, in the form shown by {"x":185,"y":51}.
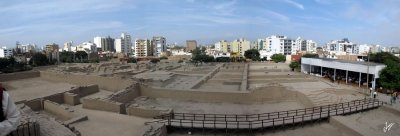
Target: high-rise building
{"x":67,"y":46}
{"x":51,"y":48}
{"x":279,"y":44}
{"x":223,"y":46}
{"x":105,"y":43}
{"x":240,"y":46}
{"x":123,"y":44}
{"x":6,"y":53}
{"x":159,"y":45}
{"x":191,"y":45}
{"x":341,"y":47}
{"x":25,"y":48}
{"x":97,"y":41}
{"x":143,"y":48}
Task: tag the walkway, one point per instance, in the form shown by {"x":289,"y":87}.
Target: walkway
{"x":265,"y":120}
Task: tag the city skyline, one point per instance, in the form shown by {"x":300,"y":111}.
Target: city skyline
{"x":42,"y":22}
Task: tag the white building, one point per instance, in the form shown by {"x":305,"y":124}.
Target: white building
{"x":123,"y":44}
{"x":159,"y":44}
{"x":25,"y":48}
{"x":67,"y":46}
{"x":279,"y":45}
{"x":97,"y":41}
{"x":341,"y":47}
{"x":363,"y":48}
{"x":265,"y":54}
{"x":6,"y":53}
{"x":88,"y":47}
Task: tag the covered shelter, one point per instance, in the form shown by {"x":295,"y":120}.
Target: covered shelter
{"x":349,"y":71}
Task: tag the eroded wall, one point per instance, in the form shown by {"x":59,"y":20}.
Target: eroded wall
{"x":107,"y":83}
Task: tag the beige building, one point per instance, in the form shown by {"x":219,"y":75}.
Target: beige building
{"x":240,"y":46}
{"x":51,"y":47}
{"x":143,"y":48}
{"x":191,"y":45}
{"x":223,"y":46}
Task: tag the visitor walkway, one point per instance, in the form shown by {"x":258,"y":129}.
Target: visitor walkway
{"x":264,"y":120}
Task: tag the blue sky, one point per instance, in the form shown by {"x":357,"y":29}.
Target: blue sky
{"x":207,"y":21}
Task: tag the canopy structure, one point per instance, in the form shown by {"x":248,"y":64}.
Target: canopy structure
{"x":343,"y":69}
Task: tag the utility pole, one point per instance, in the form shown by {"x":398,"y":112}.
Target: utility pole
{"x":368,"y":70}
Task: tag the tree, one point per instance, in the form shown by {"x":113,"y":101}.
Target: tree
{"x":67,"y":56}
{"x":294,"y":65}
{"x":278,"y":58}
{"x":199,"y":55}
{"x":381,"y":57}
{"x":389,"y":76}
{"x":81,"y":55}
{"x":309,"y":55}
{"x":39,"y":59}
{"x":252,"y":54}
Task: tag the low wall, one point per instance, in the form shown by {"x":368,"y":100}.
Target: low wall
{"x":244,"y":84}
{"x":204,"y":79}
{"x":35,"y":104}
{"x":57,"y":110}
{"x":146,"y":112}
{"x":57,"y":98}
{"x":126,"y":95}
{"x":83,"y":91}
{"x":106,"y":83}
{"x":154,"y":130}
{"x":71,"y":99}
{"x":19,"y":75}
{"x":270,"y":94}
{"x":104,"y":104}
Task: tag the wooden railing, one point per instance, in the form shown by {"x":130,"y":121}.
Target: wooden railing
{"x":265,"y":120}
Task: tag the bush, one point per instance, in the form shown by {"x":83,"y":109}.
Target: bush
{"x":154,"y":60}
{"x":278,"y":58}
{"x":222,"y":59}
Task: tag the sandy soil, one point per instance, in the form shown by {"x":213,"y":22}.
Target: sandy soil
{"x":219,"y":108}
{"x":31,"y":88}
{"x":323,"y":128}
{"x":103,"y":123}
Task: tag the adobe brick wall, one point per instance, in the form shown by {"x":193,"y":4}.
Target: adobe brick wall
{"x":103,"y":105}
{"x":126,"y":95}
{"x":19,"y":75}
{"x":270,"y":94}
{"x":71,"y":99}
{"x":107,"y":83}
{"x":58,"y":110}
{"x":35,"y":104}
{"x":146,"y":112}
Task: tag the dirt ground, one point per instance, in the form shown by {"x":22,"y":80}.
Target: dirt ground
{"x":26,"y":89}
{"x":219,"y":108}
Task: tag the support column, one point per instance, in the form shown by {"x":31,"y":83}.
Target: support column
{"x":309,"y":72}
{"x":321,"y":71}
{"x":374,"y":84}
{"x":347,"y":75}
{"x":359,"y":80}
{"x":334,"y":75}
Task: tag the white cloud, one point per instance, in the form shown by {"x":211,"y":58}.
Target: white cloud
{"x":295,"y":4}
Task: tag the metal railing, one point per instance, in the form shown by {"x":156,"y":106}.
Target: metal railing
{"x":265,"y":120}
